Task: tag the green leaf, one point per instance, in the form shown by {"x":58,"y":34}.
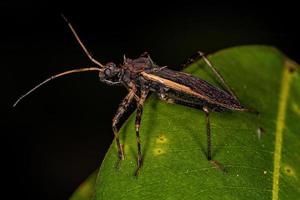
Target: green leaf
{"x":259,"y":152}
{"x":86,"y":189}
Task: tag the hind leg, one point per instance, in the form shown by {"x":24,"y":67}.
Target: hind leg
{"x":215,"y":163}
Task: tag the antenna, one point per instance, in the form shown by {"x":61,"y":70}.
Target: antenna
{"x":54,"y":77}
{"x":81,"y":44}
{"x":69,"y":71}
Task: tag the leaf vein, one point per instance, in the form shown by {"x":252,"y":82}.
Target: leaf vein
{"x":284,"y":92}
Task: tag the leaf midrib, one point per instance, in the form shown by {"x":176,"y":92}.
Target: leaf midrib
{"x":280,"y":123}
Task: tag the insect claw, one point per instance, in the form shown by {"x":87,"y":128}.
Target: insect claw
{"x":218,"y":166}
{"x":118,"y":164}
{"x":120,"y":157}
{"x":139,"y":165}
{"x":137,"y":171}
{"x":121,"y":152}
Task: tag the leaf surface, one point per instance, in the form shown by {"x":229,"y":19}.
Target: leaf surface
{"x":260,"y":152}
{"x":86,"y":189}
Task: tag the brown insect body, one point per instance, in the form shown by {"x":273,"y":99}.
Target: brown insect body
{"x":179,"y":86}
{"x":141,"y":76}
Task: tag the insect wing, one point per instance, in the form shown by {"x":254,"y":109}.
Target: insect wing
{"x":194,"y":86}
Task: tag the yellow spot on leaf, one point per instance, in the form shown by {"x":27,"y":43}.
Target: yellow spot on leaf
{"x":158,"y":151}
{"x":289,"y":171}
{"x":296,"y":108}
{"x":161,"y":139}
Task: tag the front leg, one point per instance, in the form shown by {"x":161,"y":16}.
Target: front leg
{"x":121,"y":110}
{"x":139,"y":113}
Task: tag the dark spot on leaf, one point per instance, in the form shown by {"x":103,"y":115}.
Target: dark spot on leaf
{"x":291,"y":70}
{"x":289,"y":171}
{"x":158,"y":151}
{"x":161,"y":139}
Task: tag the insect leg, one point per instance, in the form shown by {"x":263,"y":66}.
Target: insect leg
{"x":139,"y":113}
{"x":214,"y":163}
{"x":217,"y":73}
{"x":199,"y":55}
{"x":121,"y":110}
{"x":206,"y":111}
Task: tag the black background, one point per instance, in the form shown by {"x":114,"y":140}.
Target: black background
{"x":58,"y":135}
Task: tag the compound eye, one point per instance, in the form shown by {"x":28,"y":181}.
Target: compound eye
{"x":107,"y":72}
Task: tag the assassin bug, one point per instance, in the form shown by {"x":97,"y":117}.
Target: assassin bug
{"x":141,"y":76}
